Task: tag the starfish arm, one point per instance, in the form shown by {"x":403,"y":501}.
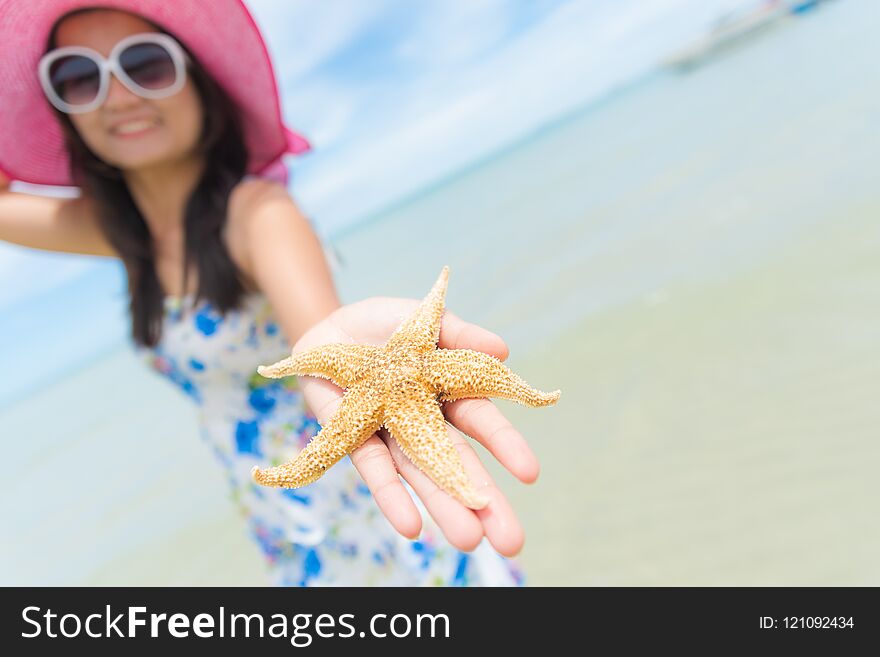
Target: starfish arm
{"x":358,"y":417}
{"x":416,"y":422}
{"x":458,"y":373}
{"x":344,"y":364}
{"x":421,"y":330}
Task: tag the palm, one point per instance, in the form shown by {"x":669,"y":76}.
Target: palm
{"x":380,"y":461}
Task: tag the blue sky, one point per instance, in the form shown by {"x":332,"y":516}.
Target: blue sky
{"x":395,"y":95}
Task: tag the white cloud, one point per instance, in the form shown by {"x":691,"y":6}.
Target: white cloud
{"x":303,"y":34}
{"x":462,"y":110}
{"x":323,"y":110}
{"x":462,"y":113}
{"x":392,"y":155}
{"x":443,"y":37}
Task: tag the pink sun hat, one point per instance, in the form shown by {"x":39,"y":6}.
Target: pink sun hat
{"x":221,"y":34}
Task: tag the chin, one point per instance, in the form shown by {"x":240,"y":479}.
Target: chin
{"x":146,"y":158}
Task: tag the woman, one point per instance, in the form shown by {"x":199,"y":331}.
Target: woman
{"x":165,"y":114}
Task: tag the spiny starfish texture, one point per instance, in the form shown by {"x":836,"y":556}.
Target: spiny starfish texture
{"x":400,"y":386}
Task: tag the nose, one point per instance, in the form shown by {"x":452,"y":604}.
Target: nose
{"x":119,"y":96}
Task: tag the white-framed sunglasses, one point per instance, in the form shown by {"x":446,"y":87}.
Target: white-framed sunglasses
{"x":77,"y":79}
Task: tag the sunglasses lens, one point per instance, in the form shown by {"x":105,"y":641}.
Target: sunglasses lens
{"x":149,"y":65}
{"x":75,"y":79}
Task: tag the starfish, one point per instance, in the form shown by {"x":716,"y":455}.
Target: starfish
{"x":401,"y":386}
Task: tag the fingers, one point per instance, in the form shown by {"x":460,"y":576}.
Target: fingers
{"x":385,"y":314}
{"x":482,"y":420}
{"x":322,"y":397}
{"x":500,"y":523}
{"x":455,"y":333}
{"x":459,"y":524}
{"x":374,"y":463}
{"x":463,"y":527}
{"x":371,"y":460}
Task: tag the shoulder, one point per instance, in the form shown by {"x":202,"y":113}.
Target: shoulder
{"x":257,"y":205}
{"x":251,"y":193}
{"x":245,"y":201}
{"x":260,"y":213}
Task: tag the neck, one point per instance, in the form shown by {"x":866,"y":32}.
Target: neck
{"x":161,"y":193}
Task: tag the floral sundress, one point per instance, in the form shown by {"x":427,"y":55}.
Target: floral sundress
{"x":330,"y":532}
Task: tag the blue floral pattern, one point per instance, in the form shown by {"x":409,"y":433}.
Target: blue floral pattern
{"x":330,"y":532}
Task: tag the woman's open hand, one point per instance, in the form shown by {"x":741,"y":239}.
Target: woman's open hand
{"x":380,"y":460}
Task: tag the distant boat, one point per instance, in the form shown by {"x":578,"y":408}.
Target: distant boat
{"x":729,"y":30}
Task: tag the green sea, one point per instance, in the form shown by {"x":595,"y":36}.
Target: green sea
{"x":693,"y":262}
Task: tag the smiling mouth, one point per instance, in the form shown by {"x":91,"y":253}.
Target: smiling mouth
{"x":134,"y":128}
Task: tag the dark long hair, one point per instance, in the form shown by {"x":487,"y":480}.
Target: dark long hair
{"x":223,"y":147}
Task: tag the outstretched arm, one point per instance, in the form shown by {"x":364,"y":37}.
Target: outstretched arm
{"x":282,"y":255}
{"x":285,"y":258}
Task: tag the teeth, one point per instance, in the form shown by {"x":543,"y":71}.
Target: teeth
{"x":134,"y":126}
